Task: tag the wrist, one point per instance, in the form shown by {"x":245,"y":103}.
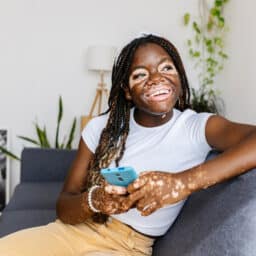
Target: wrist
{"x":189,"y":182}
{"x":192,"y":179}
{"x":90,"y":199}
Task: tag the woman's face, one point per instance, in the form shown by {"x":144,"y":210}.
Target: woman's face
{"x":154,"y":84}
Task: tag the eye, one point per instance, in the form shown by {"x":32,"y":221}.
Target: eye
{"x":167,"y":67}
{"x":138,"y":76}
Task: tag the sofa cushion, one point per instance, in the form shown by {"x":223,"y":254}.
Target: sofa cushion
{"x":220,"y":220}
{"x":35,"y":195}
{"x":12,"y":221}
{"x":43,"y":165}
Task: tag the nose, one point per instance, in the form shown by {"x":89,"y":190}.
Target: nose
{"x":155,"y":79}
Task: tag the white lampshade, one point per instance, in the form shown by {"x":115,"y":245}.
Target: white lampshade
{"x":100,"y":58}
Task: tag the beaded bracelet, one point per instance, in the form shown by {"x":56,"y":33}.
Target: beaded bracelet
{"x":90,"y":198}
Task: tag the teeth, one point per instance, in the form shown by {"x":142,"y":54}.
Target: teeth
{"x":163,"y":91}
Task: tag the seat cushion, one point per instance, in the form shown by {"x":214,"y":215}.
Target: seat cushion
{"x":12,"y":221}
{"x":35,"y":195}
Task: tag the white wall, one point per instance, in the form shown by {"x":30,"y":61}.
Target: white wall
{"x":237,"y":82}
{"x":43,"y":54}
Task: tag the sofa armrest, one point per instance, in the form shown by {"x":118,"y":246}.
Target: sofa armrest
{"x":44,"y":165}
{"x":219,"y":220}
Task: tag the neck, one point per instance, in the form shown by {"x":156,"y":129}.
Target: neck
{"x":151,"y":120}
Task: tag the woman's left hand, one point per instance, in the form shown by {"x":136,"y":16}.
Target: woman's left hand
{"x":155,"y":189}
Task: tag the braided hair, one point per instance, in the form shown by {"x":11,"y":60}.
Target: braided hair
{"x":112,"y":141}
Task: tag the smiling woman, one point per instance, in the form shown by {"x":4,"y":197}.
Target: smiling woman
{"x":150,"y":127}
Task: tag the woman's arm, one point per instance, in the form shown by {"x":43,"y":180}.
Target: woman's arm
{"x":238,"y":143}
{"x":153,"y":190}
{"x":72,"y":206}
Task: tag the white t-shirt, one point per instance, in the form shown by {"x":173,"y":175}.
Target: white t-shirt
{"x":172,"y":147}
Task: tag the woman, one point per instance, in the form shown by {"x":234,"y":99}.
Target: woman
{"x":148,"y":126}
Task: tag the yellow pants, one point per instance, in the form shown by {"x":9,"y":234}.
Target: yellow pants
{"x":89,"y":238}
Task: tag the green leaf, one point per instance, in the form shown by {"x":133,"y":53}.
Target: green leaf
{"x":210,"y":25}
{"x":196,"y":54}
{"x":71,"y":135}
{"x":191,"y":52}
{"x":60,"y":113}
{"x":196,"y":28}
{"x":210,"y":49}
{"x":223,"y":55}
{"x":62,"y":145}
{"x":40,"y":135}
{"x":189,"y":42}
{"x":215,"y":12}
{"x":208,"y":42}
{"x":209,"y":70}
{"x":218,"y":3}
{"x":46,"y":141}
{"x":9,"y":153}
{"x":221,"y":22}
{"x":29,"y":140}
{"x":186,"y":18}
{"x":218,"y":41}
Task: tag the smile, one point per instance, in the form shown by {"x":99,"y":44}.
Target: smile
{"x":160,"y":94}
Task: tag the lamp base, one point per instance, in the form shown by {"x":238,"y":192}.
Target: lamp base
{"x":84,"y":120}
{"x":101,"y":90}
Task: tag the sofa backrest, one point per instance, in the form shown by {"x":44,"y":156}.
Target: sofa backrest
{"x":44,"y":165}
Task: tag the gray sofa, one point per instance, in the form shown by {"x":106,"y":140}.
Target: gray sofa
{"x":217,"y":221}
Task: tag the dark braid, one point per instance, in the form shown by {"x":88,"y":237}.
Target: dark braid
{"x":112,"y":141}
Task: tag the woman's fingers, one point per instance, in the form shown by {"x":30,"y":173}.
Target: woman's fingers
{"x":116,"y":190}
{"x":142,"y":203}
{"x":133,"y":198}
{"x":138,"y":183}
{"x":147,"y":205}
{"x":149,"y":209}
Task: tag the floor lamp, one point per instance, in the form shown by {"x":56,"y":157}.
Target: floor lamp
{"x":99,"y":59}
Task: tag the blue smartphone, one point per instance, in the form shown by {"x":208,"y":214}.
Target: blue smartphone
{"x":119,"y":176}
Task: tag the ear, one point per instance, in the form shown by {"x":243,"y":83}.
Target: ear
{"x":127,"y":93}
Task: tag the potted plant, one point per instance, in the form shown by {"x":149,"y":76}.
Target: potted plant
{"x":206,"y":48}
{"x":42,"y":139}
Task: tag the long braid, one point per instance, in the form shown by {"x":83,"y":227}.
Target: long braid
{"x":113,"y":138}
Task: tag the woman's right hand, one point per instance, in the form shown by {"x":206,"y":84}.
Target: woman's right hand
{"x":109,"y":199}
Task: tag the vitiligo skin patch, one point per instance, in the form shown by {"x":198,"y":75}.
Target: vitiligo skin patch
{"x":153,"y":190}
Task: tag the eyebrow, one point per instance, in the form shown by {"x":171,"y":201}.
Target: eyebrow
{"x":137,"y":67}
{"x":165,"y":59}
{"x":161,"y":61}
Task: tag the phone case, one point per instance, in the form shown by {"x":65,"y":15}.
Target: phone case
{"x":119,"y":176}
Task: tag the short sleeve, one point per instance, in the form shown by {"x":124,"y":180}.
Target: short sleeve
{"x":92,"y":131}
{"x":196,"y":128}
